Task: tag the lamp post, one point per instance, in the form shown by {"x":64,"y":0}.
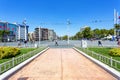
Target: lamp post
{"x":39,"y":35}
{"x":24,"y":22}
{"x":68,"y":25}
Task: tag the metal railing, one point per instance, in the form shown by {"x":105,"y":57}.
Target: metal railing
{"x":107,"y":60}
{"x":17,"y":60}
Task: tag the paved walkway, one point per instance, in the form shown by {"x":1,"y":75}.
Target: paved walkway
{"x":61,"y":64}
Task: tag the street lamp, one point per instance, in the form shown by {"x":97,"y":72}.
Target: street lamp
{"x":68,"y":23}
{"x":39,"y":35}
{"x":24,"y":22}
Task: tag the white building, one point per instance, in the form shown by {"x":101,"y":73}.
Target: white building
{"x":22,"y":32}
{"x":83,"y":28}
{"x":51,"y":35}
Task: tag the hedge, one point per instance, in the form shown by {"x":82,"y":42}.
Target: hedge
{"x":115,"y":52}
{"x":8,"y":52}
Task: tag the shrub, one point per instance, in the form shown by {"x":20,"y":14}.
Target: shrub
{"x":8,"y":52}
{"x":115,"y":52}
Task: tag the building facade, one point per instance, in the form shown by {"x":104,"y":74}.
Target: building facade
{"x":37,"y":33}
{"x":41,"y":34}
{"x":15,"y":31}
{"x":22,"y":32}
{"x":44,"y":34}
{"x":51,"y":35}
{"x":116,"y":22}
{"x":9,"y":31}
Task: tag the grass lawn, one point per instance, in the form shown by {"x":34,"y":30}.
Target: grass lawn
{"x":22,"y":50}
{"x":103,"y":51}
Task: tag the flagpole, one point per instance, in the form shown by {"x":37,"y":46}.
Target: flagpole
{"x":115,"y":21}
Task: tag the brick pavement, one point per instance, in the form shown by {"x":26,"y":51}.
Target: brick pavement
{"x":61,"y":64}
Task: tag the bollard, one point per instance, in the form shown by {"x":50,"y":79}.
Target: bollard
{"x":0,"y":69}
{"x":23,"y":57}
{"x":13,"y":61}
{"x":111,"y":61}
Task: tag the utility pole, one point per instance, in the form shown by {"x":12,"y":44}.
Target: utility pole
{"x":39,"y":35}
{"x":68,"y":25}
{"x":24,"y":22}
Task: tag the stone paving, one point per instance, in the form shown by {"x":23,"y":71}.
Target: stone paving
{"x":61,"y":64}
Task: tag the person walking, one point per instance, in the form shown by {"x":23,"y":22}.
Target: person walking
{"x":56,"y":43}
{"x":118,"y":42}
{"x":99,"y":43}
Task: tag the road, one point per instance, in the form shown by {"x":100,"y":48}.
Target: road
{"x":61,"y":64}
{"x":61,"y":42}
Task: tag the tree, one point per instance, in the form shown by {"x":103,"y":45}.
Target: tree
{"x":103,"y":33}
{"x":4,"y":33}
{"x":65,"y":37}
{"x":1,"y":35}
{"x":78,"y":35}
{"x":111,"y":32}
{"x":117,"y":26}
{"x":96,"y":33}
{"x":87,"y":33}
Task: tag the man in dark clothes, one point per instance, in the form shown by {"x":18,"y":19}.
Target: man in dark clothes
{"x":100,"y":43}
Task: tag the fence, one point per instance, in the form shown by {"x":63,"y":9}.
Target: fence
{"x":17,"y":60}
{"x":107,"y":60}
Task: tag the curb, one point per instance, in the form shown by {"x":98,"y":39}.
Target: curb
{"x":112,"y":71}
{"x":14,"y":69}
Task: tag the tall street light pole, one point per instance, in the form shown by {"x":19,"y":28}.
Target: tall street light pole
{"x":39,"y":35}
{"x":68,"y":25}
{"x":24,"y":22}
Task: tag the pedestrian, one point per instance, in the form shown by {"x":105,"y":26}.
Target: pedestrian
{"x":118,"y":42}
{"x":56,"y":43}
{"x":25,"y":42}
{"x":99,"y":43}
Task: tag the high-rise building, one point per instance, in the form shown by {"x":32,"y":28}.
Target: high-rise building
{"x":51,"y":35}
{"x":15,"y":31}
{"x":44,"y":34}
{"x":41,"y":34}
{"x":22,"y":32}
{"x":116,"y":22}
{"x":9,"y":31}
{"x":37,"y":34}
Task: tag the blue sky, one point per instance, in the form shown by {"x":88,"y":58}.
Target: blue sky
{"x":53,"y":14}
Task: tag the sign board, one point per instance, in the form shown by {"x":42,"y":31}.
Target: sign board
{"x":84,"y":44}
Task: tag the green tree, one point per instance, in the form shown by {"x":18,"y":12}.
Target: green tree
{"x":1,"y":35}
{"x":87,"y":33}
{"x":4,"y":33}
{"x":117,"y":26}
{"x":64,"y":37}
{"x":103,"y":33}
{"x":111,"y":31}
{"x":96,"y":33}
{"x":78,"y":35}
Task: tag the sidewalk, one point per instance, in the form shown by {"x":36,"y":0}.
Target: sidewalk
{"x":61,"y":64}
